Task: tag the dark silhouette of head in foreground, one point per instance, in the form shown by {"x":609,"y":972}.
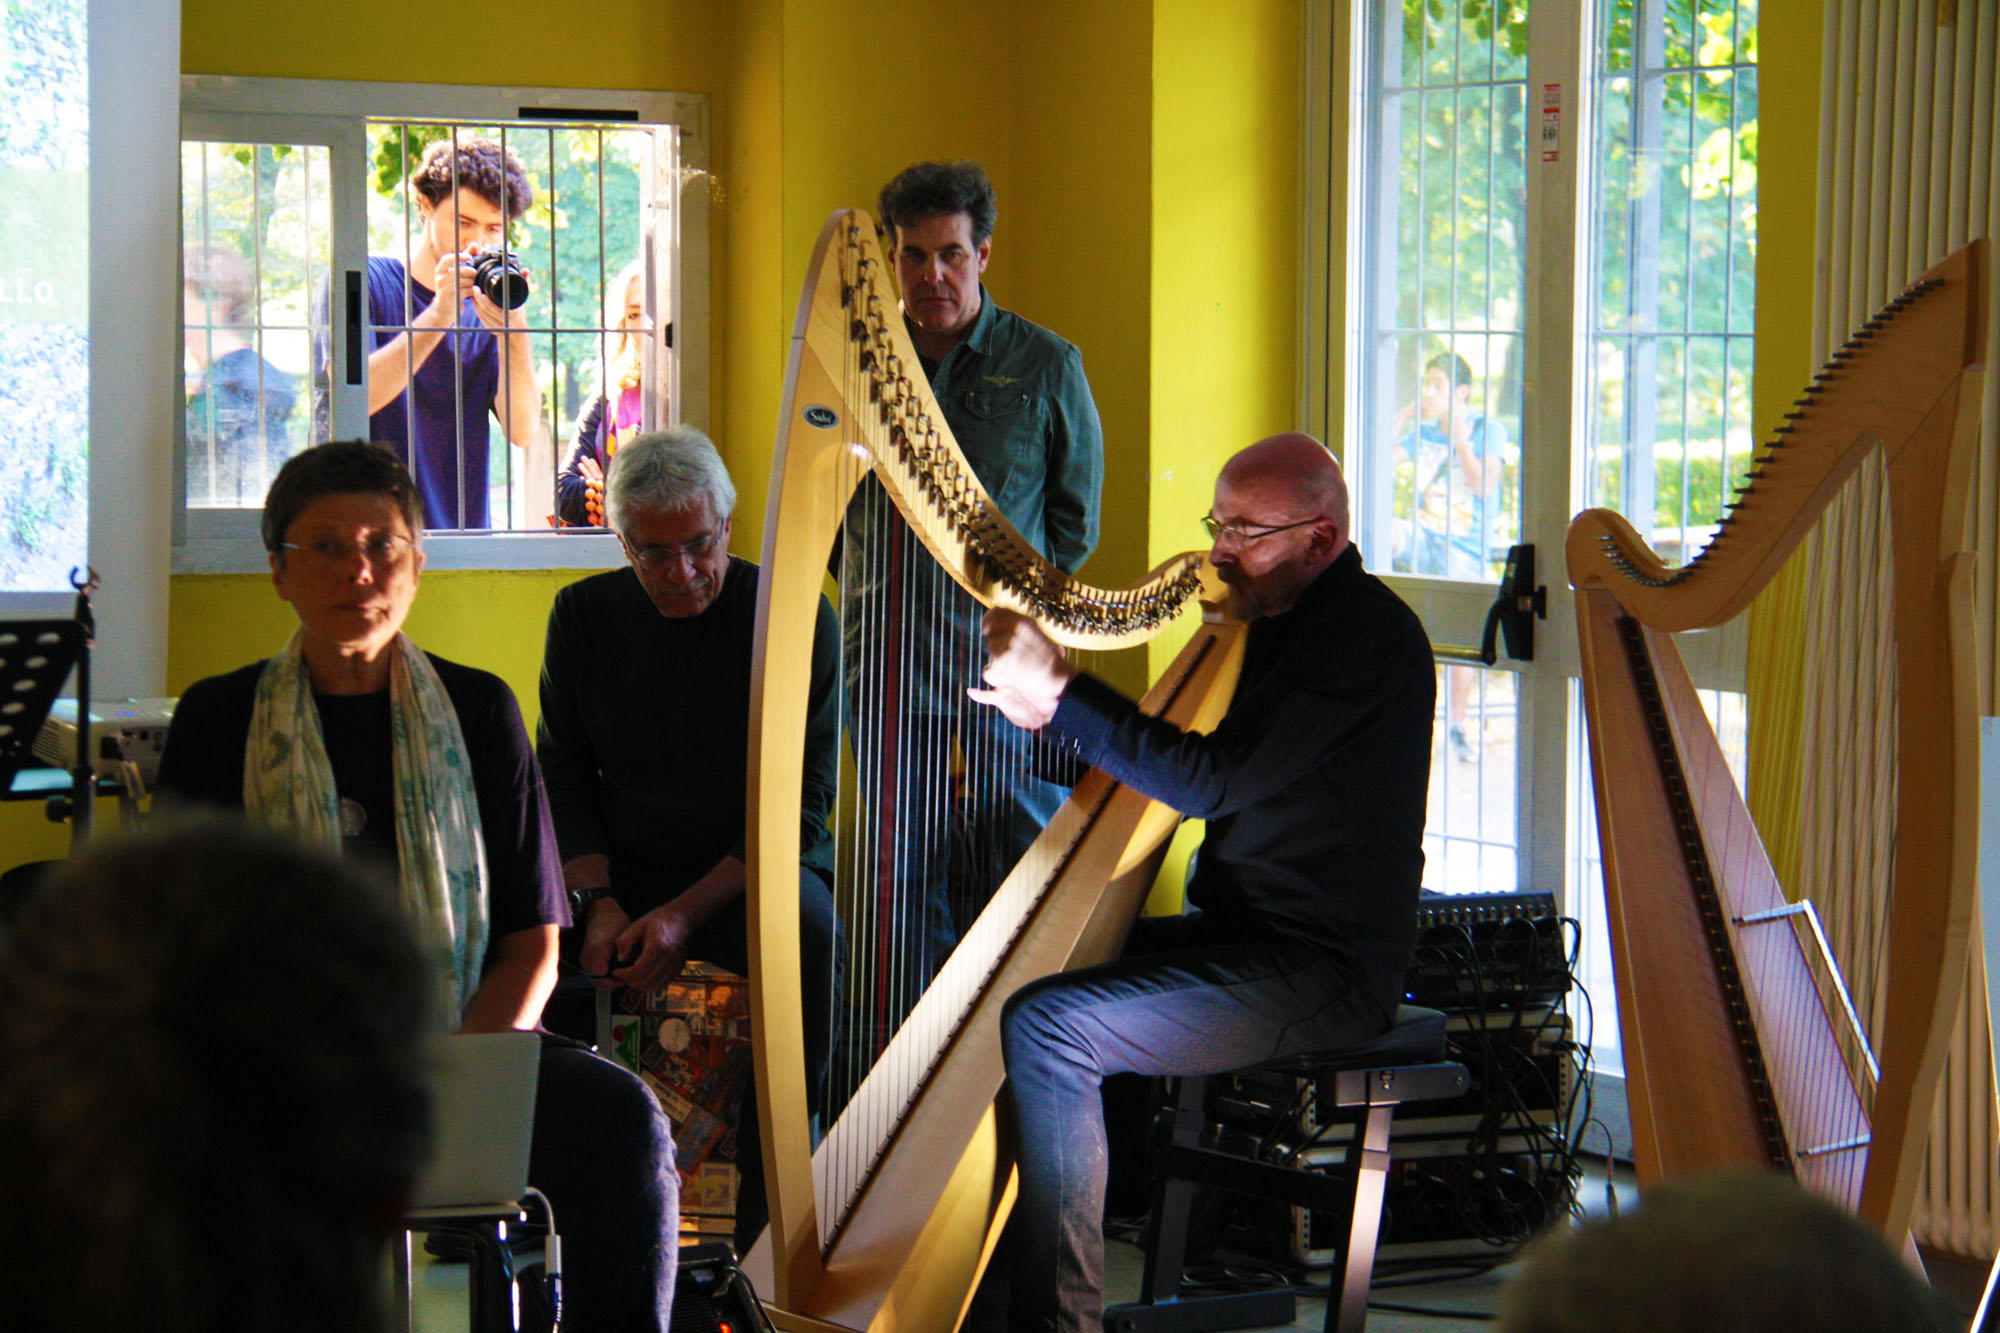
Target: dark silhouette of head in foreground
{"x":213,"y":1100}
{"x":1733,"y":1252}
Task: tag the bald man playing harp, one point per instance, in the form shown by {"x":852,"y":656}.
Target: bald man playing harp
{"x":1305,"y":891}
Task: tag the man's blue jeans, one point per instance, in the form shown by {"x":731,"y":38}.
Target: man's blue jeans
{"x":1180,"y":1001}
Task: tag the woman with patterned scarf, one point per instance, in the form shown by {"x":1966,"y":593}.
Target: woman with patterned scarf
{"x":353,"y":739}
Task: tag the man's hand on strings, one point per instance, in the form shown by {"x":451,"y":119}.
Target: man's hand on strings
{"x":1025,"y":668}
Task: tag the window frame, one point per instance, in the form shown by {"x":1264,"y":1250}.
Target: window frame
{"x":1338,"y":141}
{"x":1553,"y":791}
{"x":261,"y":110}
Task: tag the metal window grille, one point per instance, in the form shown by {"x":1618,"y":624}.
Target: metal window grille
{"x":258,"y":222}
{"x":1674,"y":265}
{"x":1440,"y":280}
{"x":1442,"y":274}
{"x":255,"y":227}
{"x":1440,"y":369}
{"x":592,"y":217}
{"x":1469,"y":826}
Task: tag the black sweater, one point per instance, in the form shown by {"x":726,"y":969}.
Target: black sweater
{"x":644,"y":735}
{"x":1313,"y":784}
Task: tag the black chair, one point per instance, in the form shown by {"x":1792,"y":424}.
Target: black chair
{"x":1407,"y":1063}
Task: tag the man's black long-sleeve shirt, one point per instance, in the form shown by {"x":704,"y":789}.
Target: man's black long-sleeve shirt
{"x":644,"y":735}
{"x":1313,"y":784}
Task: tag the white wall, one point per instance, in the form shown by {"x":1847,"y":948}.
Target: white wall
{"x":135,"y":58}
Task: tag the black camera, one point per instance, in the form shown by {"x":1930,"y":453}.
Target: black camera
{"x":501,"y":279}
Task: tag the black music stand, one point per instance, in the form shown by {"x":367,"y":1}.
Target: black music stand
{"x":35,"y":659}
{"x":83,"y":777}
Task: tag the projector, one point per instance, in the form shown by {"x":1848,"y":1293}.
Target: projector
{"x":123,"y":731}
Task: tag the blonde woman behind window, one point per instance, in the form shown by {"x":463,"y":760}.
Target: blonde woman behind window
{"x":617,"y":411}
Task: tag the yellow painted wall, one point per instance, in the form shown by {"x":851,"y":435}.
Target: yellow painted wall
{"x":814,"y":104}
{"x":1788,"y":85}
{"x":850,"y":117}
{"x":1225,"y":274}
{"x":1787,"y":203}
{"x":1225,"y":271}
{"x":1080,"y":199}
{"x":679,"y":45}
{"x":748,"y":370}
{"x":219,"y":622}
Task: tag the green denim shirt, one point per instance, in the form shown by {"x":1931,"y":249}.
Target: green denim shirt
{"x":1017,"y":402}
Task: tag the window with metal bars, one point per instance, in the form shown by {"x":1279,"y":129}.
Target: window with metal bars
{"x":1673,"y":265}
{"x":1444,"y":254}
{"x":1439,"y":352}
{"x":317,"y":253}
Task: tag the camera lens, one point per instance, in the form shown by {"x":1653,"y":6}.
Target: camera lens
{"x":501,"y":279}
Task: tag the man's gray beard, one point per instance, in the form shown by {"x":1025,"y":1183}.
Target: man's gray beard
{"x":1280,"y":594}
{"x":1243,"y":606}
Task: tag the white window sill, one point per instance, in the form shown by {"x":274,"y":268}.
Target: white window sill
{"x":568,"y":549}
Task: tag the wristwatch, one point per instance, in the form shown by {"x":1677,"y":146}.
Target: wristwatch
{"x":581,"y":899}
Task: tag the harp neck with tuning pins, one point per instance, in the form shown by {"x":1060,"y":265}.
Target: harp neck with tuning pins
{"x":1739,"y":1047}
{"x":887,"y":1222}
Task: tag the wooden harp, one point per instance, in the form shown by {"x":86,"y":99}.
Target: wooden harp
{"x":1738,"y":1048}
{"x":889,"y":1221}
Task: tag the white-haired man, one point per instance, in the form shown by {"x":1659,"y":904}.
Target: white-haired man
{"x":644,"y":745}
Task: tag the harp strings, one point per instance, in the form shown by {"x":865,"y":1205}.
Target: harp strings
{"x":926,"y":775}
{"x":1848,"y":815}
{"x":927,"y":822}
{"x":1823,"y":1085}
{"x":1881,"y":695}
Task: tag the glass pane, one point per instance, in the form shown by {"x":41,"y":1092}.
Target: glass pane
{"x":1674,"y":288}
{"x":1596,"y":1003}
{"x":1438,"y":478}
{"x":515,"y":434}
{"x":45,"y":296}
{"x":1469,"y":826}
{"x":258,"y":244}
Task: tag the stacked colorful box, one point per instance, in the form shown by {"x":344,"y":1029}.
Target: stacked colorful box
{"x":690,"y":1043}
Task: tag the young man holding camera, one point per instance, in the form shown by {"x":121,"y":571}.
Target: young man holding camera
{"x":447,"y":357}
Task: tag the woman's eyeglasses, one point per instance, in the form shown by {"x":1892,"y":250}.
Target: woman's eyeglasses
{"x":381,"y":549}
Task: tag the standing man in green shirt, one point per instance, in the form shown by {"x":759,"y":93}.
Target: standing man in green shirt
{"x":1016,"y":400}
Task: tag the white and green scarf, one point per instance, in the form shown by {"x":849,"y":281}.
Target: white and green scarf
{"x":288,"y":784}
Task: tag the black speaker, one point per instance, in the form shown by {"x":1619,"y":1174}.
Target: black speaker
{"x":711,"y":1295}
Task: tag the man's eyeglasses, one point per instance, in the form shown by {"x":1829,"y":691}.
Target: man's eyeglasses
{"x":1229,"y":532}
{"x":381,"y":549}
{"x":655,"y":557}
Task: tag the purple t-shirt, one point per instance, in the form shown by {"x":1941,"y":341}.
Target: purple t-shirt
{"x":449,"y":401}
